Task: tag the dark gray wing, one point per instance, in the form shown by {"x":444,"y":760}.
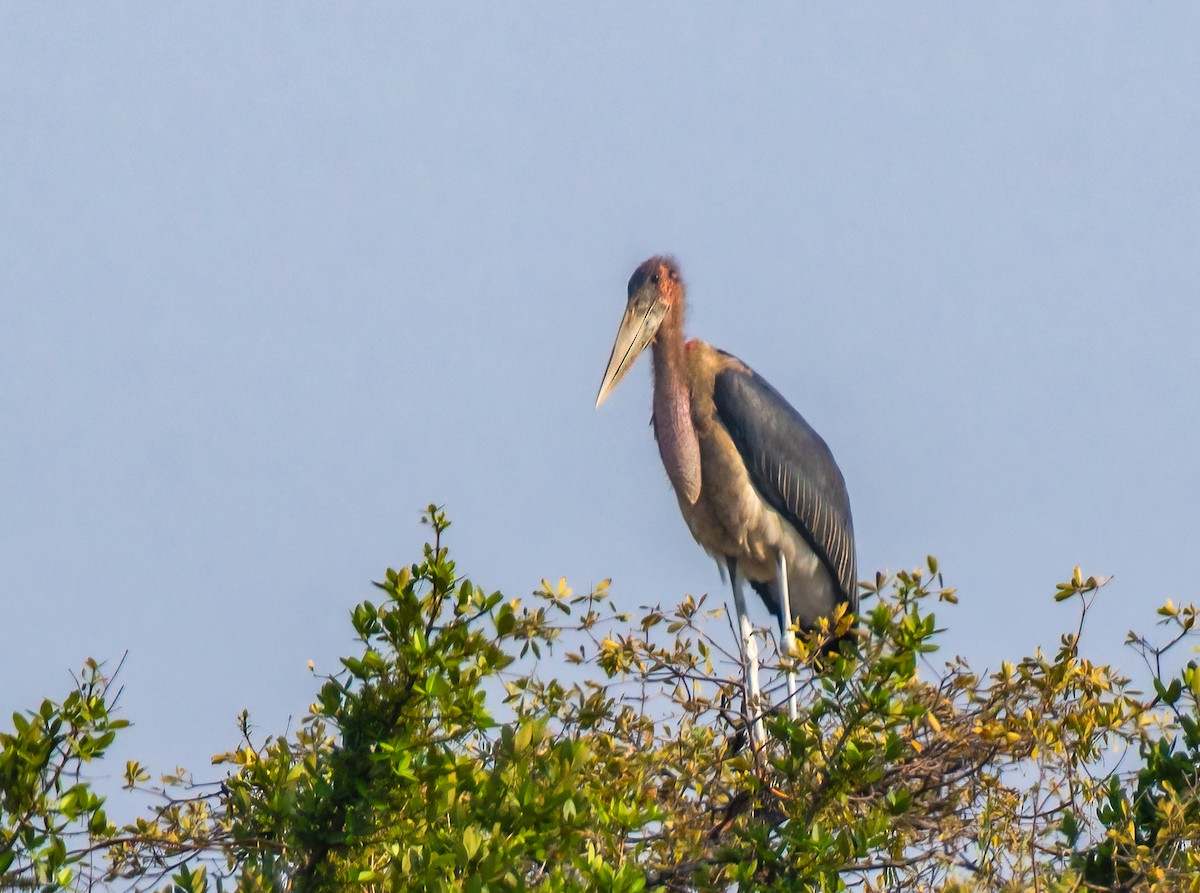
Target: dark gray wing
{"x":793,"y":470}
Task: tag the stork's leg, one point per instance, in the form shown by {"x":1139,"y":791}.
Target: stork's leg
{"x":789,"y":637}
{"x":750,"y":647}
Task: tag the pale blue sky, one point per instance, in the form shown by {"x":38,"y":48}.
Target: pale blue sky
{"x":274,"y":277}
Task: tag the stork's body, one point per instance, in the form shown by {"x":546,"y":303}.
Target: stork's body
{"x":732,"y":518}
{"x":757,"y":486}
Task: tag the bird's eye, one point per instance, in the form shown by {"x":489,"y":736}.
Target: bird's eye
{"x":654,"y":279}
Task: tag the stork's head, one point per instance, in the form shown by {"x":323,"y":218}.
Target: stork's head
{"x":654,"y":288}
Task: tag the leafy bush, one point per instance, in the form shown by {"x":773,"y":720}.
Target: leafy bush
{"x":560,"y":743}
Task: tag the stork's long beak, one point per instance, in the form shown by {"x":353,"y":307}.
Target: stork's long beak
{"x":643,"y":316}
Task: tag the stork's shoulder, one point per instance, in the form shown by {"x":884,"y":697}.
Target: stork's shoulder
{"x":705,"y":363}
{"x":702,"y":357}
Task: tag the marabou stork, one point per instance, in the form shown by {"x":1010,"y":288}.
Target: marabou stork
{"x":757,"y":486}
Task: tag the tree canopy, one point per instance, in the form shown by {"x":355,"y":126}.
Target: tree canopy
{"x":563,"y":742}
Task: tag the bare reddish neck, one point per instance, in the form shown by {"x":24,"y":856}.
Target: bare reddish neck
{"x":673,"y":426}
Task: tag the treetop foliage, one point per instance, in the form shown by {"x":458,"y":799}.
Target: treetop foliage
{"x":563,"y":742}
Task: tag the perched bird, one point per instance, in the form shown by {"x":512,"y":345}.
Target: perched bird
{"x":758,"y":487}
